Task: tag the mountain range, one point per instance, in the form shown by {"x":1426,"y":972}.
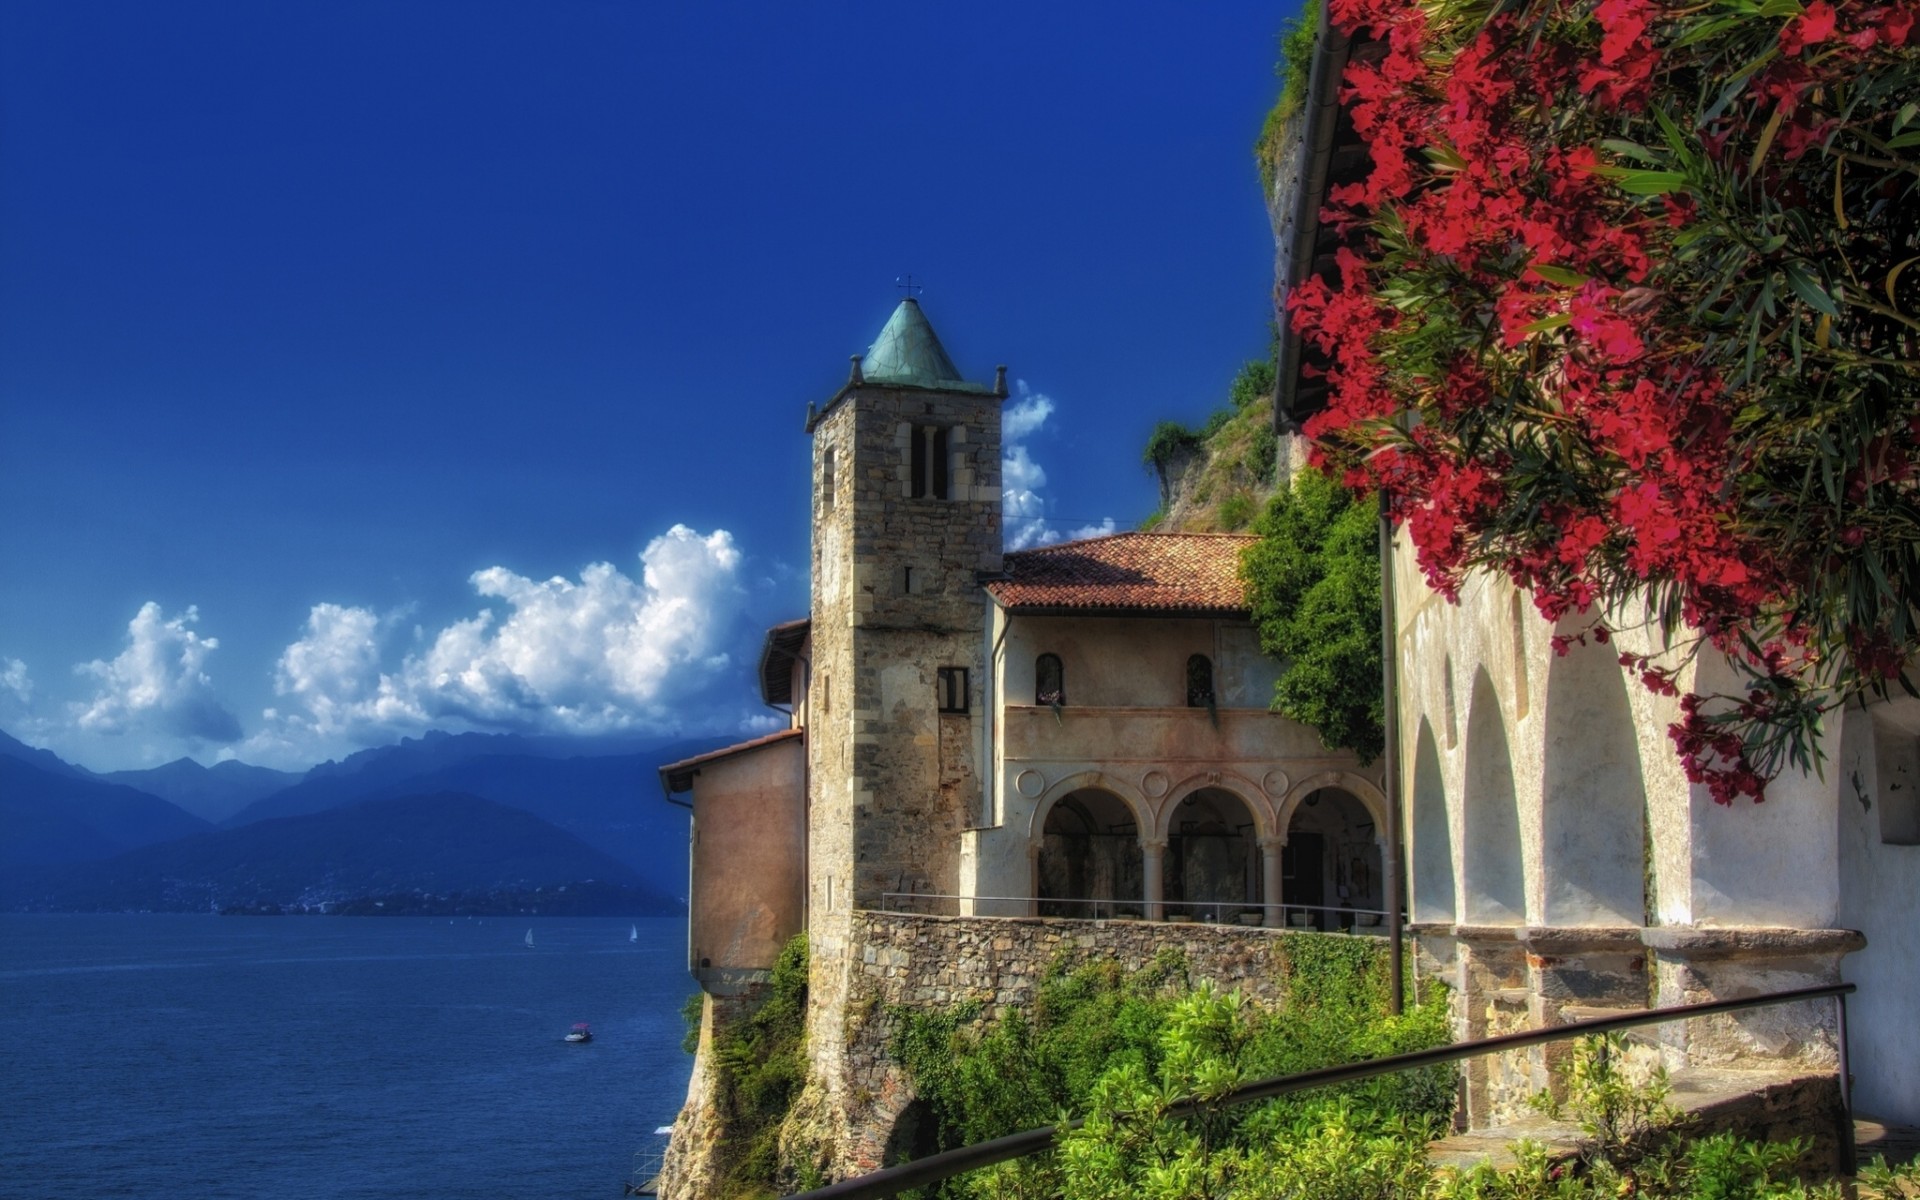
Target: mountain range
{"x":477,"y":817}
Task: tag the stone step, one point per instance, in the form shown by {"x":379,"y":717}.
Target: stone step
{"x":1896,"y":1143}
{"x":1770,"y":1105}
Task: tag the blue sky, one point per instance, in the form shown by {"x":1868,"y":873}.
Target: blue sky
{"x":340,"y":341}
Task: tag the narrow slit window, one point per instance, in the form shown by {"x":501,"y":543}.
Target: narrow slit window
{"x":1049,"y":681}
{"x":1199,"y":681}
{"x":937,"y":451}
{"x":951,"y":684}
{"x":917,"y":464}
{"x":826,"y":480}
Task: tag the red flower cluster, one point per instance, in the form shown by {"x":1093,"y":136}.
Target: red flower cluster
{"x":1590,"y":442}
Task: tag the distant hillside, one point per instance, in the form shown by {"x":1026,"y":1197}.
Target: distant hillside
{"x":48,"y":817}
{"x":46,"y":760}
{"x":413,"y":846}
{"x":380,"y":771}
{"x":211,"y":793}
{"x":612,"y":804}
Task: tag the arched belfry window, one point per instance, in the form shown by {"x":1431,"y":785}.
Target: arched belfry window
{"x":1049,"y":680}
{"x":1199,"y":681}
{"x":827,"y":479}
{"x":927,"y":463}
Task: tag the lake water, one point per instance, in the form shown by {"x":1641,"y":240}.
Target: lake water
{"x":200,"y":1057}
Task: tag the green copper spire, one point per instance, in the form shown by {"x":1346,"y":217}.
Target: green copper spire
{"x":909,"y":352}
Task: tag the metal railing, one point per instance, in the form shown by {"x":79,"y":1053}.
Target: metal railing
{"x":948,"y":1163}
{"x":1209,"y":912}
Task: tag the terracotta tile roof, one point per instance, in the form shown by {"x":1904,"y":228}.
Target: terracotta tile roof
{"x":1150,"y":572}
{"x":679,"y":776}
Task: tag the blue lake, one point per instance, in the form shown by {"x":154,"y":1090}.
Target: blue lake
{"x":198,"y":1057}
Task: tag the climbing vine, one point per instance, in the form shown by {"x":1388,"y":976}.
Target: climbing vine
{"x":1630,"y":311}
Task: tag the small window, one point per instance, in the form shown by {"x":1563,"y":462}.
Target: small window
{"x":1049,"y":681}
{"x":826,"y":479}
{"x":927,"y":465}
{"x":826,"y":694}
{"x":1199,"y":681}
{"x":952,"y":687}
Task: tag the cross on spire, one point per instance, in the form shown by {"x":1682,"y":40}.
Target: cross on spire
{"x":906,"y":284}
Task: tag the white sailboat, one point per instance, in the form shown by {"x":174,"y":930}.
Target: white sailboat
{"x":633,"y":933}
{"x":529,"y":939}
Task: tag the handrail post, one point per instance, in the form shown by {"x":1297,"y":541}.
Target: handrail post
{"x":1849,"y":1153}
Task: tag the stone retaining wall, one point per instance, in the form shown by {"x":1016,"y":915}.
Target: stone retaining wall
{"x":931,"y":963}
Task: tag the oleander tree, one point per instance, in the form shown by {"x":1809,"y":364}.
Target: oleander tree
{"x":1629,"y":311}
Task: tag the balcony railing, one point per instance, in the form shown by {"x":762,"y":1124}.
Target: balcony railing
{"x":945,"y":1165}
{"x":1310,"y":917}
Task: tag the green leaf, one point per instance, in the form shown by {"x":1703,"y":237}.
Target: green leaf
{"x":1559,"y":275}
{"x":1905,"y":139}
{"x":1546,"y":323}
{"x":1806,"y":287}
{"x":1651,"y":183}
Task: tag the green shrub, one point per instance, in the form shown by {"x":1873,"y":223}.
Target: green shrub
{"x":1295,"y":65}
{"x":1097,"y":1038}
{"x":1313,"y":582}
{"x":690,"y":1014}
{"x":761,"y":1067}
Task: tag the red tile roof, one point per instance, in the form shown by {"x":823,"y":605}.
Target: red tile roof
{"x":1149,"y":572}
{"x":679,"y":776}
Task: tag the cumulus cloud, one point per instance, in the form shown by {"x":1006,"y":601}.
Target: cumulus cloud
{"x":602,"y":653}
{"x":158,"y":684}
{"x":1023,"y":509}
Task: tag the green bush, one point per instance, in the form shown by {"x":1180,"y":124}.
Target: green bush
{"x":1295,"y":65}
{"x":761,"y":1067}
{"x":1313,"y":582}
{"x":1100,"y":1036}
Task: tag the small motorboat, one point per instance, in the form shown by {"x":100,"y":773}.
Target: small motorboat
{"x":581,"y":1032}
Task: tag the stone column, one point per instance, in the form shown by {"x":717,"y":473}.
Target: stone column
{"x":1153,"y":851}
{"x":1270,"y":885}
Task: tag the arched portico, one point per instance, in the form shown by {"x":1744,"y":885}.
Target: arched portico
{"x":1334,"y":851}
{"x":1211,"y":865}
{"x":1492,"y":887}
{"x":1432,"y":847}
{"x":1085,"y":850}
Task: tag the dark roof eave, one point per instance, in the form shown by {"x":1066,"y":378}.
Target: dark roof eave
{"x":1330,"y":51}
{"x":783,"y":643}
{"x":1110,"y":610}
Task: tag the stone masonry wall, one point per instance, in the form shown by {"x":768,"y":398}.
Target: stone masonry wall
{"x":932,"y":963}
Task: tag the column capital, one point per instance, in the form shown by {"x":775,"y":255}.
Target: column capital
{"x":1275,"y":842}
{"x":1156,"y":845}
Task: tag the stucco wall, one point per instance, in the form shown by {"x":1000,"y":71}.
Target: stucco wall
{"x":748,"y":860}
{"x":1543,"y":799}
{"x":1880,"y":896}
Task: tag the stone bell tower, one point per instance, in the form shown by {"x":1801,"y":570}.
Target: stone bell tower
{"x":906,"y":517}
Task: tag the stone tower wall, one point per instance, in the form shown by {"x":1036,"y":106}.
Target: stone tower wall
{"x":892,"y":779}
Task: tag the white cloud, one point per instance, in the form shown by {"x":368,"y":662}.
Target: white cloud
{"x":17,"y":682}
{"x":158,"y":684}
{"x":603,"y":653}
{"x":1023,"y":509}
